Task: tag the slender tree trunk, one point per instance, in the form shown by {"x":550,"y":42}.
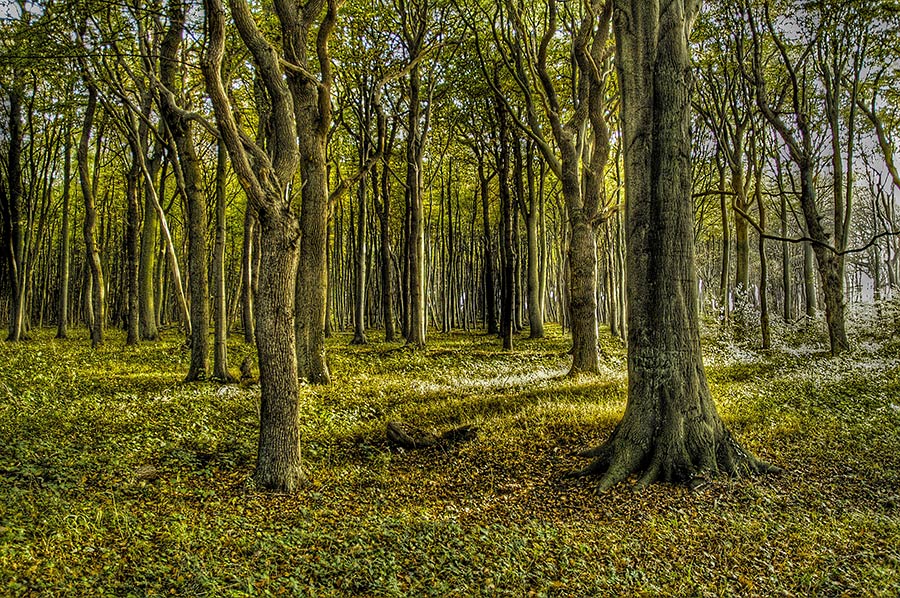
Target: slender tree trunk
{"x":535,"y":302}
{"x":132,"y":245}
{"x":187,"y":169}
{"x":416,"y":246}
{"x":65,"y":244}
{"x":387,"y":291}
{"x":763,"y":265}
{"x":507,"y":251}
{"x":490,"y":306}
{"x":220,"y":308}
{"x":149,"y":245}
{"x":98,"y":288}
{"x":359,"y":324}
{"x":249,"y":271}
{"x":724,"y":280}
{"x":15,"y":226}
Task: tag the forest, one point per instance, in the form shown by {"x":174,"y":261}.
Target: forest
{"x":449,"y":298}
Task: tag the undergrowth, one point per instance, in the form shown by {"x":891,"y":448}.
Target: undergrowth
{"x":118,"y":479}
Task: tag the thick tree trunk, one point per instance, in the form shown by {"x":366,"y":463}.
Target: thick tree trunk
{"x":671,"y":430}
{"x":583,"y":296}
{"x":278,"y":465}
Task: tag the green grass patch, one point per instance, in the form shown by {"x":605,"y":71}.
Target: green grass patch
{"x":118,"y":479}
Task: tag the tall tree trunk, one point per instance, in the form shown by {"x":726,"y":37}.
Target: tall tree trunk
{"x":359,"y":324}
{"x":98,"y":288}
{"x":187,"y":169}
{"x":490,"y":305}
{"x":671,"y":430}
{"x":65,"y":244}
{"x":416,"y":246}
{"x":384,"y":210}
{"x":132,"y":243}
{"x":763,"y":263}
{"x":507,"y":251}
{"x":724,"y":280}
{"x":220,"y":308}
{"x":149,"y":246}
{"x":535,"y":301}
{"x":312,"y":278}
{"x":14,"y":224}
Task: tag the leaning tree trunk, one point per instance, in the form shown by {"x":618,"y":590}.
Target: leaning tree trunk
{"x":671,"y":430}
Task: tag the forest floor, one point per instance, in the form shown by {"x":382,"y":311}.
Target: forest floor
{"x":118,"y":479}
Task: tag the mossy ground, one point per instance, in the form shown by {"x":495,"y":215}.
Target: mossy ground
{"x":117,"y":479}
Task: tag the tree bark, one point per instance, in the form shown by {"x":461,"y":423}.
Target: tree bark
{"x":187,"y":165}
{"x":535,"y":299}
{"x":220,"y":308}
{"x":248,"y":272}
{"x":149,"y":245}
{"x":490,"y":300}
{"x":13,"y":218}
{"x":98,"y":288}
{"x":65,"y":244}
{"x":671,"y":430}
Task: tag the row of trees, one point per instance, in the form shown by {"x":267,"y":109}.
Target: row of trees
{"x":412,"y":162}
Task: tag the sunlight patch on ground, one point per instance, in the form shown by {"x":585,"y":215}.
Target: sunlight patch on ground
{"x":537,"y":377}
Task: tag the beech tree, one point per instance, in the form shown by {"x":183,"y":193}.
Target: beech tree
{"x":268,"y":180}
{"x":671,"y":430}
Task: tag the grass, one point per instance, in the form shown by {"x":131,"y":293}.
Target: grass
{"x":117,"y":479}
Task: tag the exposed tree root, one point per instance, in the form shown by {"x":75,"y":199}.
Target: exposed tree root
{"x":673,"y":457}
